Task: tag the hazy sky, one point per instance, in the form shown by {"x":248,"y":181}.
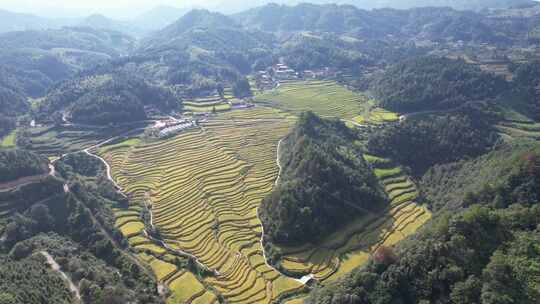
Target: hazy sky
{"x":113,"y":8}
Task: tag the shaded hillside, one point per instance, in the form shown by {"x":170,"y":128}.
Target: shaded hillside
{"x":449,"y":186}
{"x":438,"y":139}
{"x":527,"y":86}
{"x":12,"y":102}
{"x":107,"y":99}
{"x":431,"y":83}
{"x":16,"y":163}
{"x":198,"y":52}
{"x":324,"y":183}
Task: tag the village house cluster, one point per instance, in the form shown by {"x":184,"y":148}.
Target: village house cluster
{"x":174,"y":126}
{"x":271,"y":77}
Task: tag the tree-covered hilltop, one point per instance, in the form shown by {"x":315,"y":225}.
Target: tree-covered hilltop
{"x":15,"y":163}
{"x":12,"y":98}
{"x":106,"y":99}
{"x":437,"y":138}
{"x":12,"y":104}
{"x":76,"y":227}
{"x":527,"y":86}
{"x":448,"y":186}
{"x":433,"y":83}
{"x":324,"y":183}
{"x":486,"y":253}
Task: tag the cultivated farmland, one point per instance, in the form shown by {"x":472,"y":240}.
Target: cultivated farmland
{"x":324,"y":98}
{"x":9,"y":140}
{"x":350,"y":247}
{"x":203,"y":188}
{"x":58,"y":140}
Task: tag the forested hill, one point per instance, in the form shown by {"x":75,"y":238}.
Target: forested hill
{"x":324,"y":183}
{"x":32,"y":61}
{"x":206,"y":30}
{"x":103,"y":99}
{"x":68,"y":216}
{"x":16,"y":163}
{"x":432,"y":83}
{"x":434,"y":23}
{"x":485,"y":253}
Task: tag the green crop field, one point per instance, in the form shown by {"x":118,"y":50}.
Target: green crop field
{"x":325,"y":98}
{"x":9,"y":140}
{"x":57,"y":140}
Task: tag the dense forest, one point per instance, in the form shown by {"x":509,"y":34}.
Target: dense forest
{"x":439,"y":139}
{"x":527,"y":80}
{"x":324,"y":183}
{"x":15,"y":163}
{"x":432,"y":83}
{"x":106,"y":99}
{"x":485,"y":253}
{"x":447,"y":186}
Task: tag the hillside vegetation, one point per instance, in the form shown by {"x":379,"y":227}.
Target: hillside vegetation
{"x":439,"y":139}
{"x":107,"y":99}
{"x":16,"y":163}
{"x":432,"y":83}
{"x":77,"y":229}
{"x":483,"y":254}
{"x":324,"y":183}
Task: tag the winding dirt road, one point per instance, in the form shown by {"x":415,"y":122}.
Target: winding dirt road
{"x":56,"y":268}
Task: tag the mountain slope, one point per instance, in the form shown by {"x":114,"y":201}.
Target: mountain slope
{"x":159,"y":17}
{"x":485,"y":253}
{"x":325,"y":182}
{"x":69,"y":218}
{"x":103,"y":99}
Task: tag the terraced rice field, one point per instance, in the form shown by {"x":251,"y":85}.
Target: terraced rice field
{"x":204,"y":187}
{"x":58,"y":140}
{"x":210,"y":103}
{"x":377,"y":116}
{"x":520,"y":129}
{"x":325,"y":98}
{"x":350,"y":247}
{"x":9,"y":140}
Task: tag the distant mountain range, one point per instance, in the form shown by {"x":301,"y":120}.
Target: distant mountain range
{"x":235,"y":6}
{"x":159,"y":17}
{"x":162,"y":16}
{"x":152,"y":20}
